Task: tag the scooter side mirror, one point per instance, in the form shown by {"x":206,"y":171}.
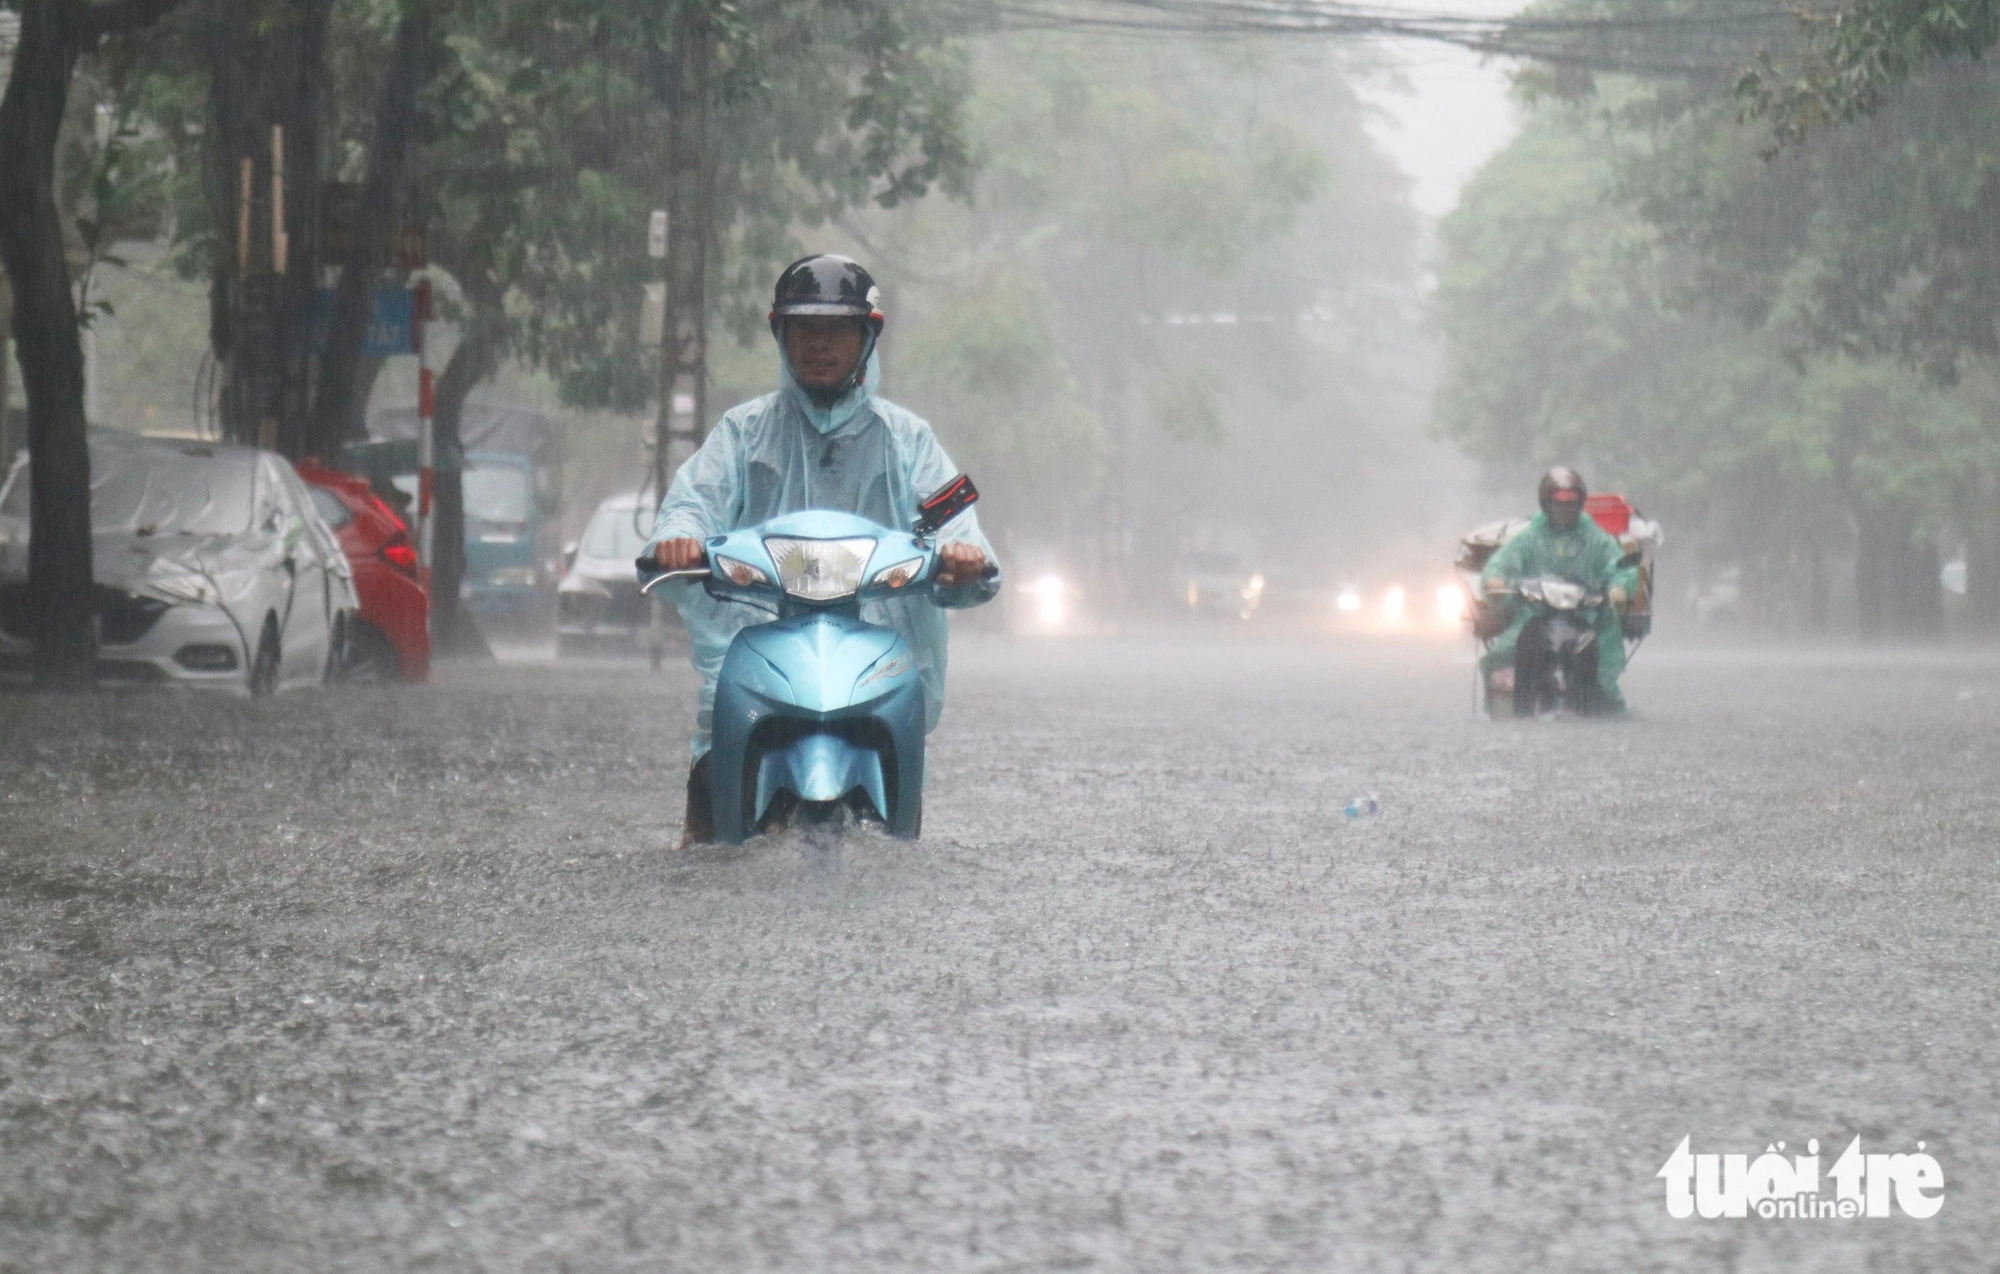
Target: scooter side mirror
{"x":950,"y":500}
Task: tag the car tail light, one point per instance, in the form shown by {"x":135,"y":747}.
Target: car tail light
{"x":399,"y":553}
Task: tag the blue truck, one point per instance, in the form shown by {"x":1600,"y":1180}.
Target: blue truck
{"x":512,"y":482}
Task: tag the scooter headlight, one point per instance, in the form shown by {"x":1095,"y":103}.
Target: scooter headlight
{"x":819,"y":570}
{"x":898,"y":575}
{"x":741,"y":574}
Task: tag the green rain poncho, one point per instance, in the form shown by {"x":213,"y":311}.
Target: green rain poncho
{"x":784,"y":453}
{"x":1585,"y":554}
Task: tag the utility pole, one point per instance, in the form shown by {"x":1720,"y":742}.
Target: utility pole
{"x":683,"y":414}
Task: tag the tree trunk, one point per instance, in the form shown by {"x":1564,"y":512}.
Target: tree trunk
{"x":475,"y":360}
{"x":51,"y":354}
{"x":11,"y":442}
{"x":355,"y":427}
{"x":1982,"y":565}
{"x":301,"y":111}
{"x":1896,"y":587}
{"x":267,"y":75}
{"x":381,"y":208}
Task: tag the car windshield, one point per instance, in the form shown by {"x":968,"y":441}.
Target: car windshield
{"x":158,"y":489}
{"x":494,"y":493}
{"x":616,"y":533}
{"x":498,"y":493}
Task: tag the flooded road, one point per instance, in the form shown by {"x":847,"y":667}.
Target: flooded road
{"x":416,"y":980}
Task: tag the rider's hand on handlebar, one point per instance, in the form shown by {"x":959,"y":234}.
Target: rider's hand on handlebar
{"x":1495,"y":587}
{"x":678,"y":555}
{"x":957,"y":564}
{"x":1618,"y":595}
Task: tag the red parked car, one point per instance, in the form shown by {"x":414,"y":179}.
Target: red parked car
{"x":391,"y":636}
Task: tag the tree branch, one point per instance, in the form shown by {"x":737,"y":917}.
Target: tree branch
{"x":99,"y":20}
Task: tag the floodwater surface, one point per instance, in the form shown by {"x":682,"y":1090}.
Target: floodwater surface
{"x":416,"y":979}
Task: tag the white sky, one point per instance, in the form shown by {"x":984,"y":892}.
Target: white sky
{"x":1441,"y":112}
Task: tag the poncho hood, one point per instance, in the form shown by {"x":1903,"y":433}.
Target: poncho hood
{"x":834,"y":415}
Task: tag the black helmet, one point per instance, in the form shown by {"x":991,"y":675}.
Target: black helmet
{"x":1570,"y":483}
{"x":826,"y":285}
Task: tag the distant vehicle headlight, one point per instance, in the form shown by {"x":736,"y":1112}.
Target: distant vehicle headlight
{"x":741,"y":574}
{"x":1392,"y":602}
{"x":1450,"y":603}
{"x":819,"y":570}
{"x":1348,"y":602}
{"x":1049,"y":591}
{"x":900,"y":574}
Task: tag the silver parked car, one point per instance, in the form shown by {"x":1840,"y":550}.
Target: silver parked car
{"x":212,"y":566}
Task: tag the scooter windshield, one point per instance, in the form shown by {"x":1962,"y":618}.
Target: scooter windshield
{"x":1562,"y":594}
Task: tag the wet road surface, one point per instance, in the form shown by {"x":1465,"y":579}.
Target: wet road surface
{"x":416,"y":980}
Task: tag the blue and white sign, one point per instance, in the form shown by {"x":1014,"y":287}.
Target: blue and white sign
{"x":389,"y":321}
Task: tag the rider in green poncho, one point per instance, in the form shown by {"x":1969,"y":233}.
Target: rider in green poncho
{"x":1561,"y":541}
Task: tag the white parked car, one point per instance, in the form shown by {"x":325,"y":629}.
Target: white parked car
{"x":599,"y":608}
{"x":212,"y":565}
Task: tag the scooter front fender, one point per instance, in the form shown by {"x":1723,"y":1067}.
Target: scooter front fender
{"x":820,"y":704}
{"x":821,"y":767}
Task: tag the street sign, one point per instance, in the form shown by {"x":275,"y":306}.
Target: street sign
{"x":390,"y":322}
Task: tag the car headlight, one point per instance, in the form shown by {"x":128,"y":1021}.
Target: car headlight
{"x":819,"y":570}
{"x":741,"y":574}
{"x":583,"y":585}
{"x":900,"y":574}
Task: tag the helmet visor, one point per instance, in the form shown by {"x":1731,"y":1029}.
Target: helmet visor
{"x":819,"y":309}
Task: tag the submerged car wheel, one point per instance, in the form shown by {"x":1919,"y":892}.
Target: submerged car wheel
{"x":368,"y":657}
{"x":336,"y":651}
{"x":262,"y":678}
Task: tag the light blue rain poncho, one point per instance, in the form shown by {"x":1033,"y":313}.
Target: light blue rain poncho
{"x":783,"y":453}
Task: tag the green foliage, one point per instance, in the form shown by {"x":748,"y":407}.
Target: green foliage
{"x":1859,"y":55}
{"x":1870,"y":240}
{"x":1578,"y":332}
{"x":1157,"y":279}
{"x":987,"y":365}
{"x":1185,"y":405}
{"x":547,"y":152}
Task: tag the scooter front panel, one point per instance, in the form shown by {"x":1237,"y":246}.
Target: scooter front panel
{"x":821,"y":658}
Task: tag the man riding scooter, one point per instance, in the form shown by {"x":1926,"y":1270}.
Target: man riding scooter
{"x":824,"y":440}
{"x":1560,"y":542}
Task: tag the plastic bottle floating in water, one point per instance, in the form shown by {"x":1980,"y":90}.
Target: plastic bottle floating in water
{"x":1363,"y":806}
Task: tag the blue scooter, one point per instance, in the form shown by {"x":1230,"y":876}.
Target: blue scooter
{"x":818,"y":703}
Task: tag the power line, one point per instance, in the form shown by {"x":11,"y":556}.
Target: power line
{"x":1559,"y":40}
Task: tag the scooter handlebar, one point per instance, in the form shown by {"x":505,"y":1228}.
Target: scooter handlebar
{"x":651,"y":576}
